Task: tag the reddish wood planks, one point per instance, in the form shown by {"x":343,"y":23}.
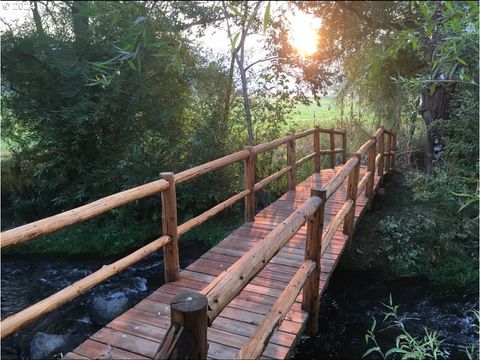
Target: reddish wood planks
{"x":137,"y":333}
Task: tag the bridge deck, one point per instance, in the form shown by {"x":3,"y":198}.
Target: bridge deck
{"x":137,"y":333}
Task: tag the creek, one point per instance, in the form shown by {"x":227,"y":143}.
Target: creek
{"x":346,"y":312}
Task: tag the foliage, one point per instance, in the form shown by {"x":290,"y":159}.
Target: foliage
{"x":408,"y":346}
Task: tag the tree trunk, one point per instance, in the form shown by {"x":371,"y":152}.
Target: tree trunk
{"x":434,"y":107}
{"x":80,"y":24}
{"x":246,"y":103}
{"x":37,"y":19}
{"x":228,"y":90}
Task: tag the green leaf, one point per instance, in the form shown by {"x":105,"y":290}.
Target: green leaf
{"x":235,"y":40}
{"x":266,"y":17}
{"x":432,"y":89}
{"x":236,"y":12}
{"x":461,"y":61}
{"x":132,"y":65}
{"x":371,"y":350}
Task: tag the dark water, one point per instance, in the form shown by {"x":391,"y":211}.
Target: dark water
{"x":353,"y":298}
{"x":346,"y":308}
{"x":26,"y":280}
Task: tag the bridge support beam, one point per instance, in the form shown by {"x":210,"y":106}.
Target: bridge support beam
{"x":169,"y":227}
{"x":313,"y":247}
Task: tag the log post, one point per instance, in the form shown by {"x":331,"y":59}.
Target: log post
{"x":352,"y":188}
{"x":169,"y":227}
{"x":316,"y":149}
{"x":389,"y":152}
{"x":394,"y":150}
{"x":381,"y":150}
{"x":187,"y":336}
{"x":311,"y":296}
{"x":344,"y":147}
{"x":249,"y":180}
{"x":332,"y":149}
{"x":372,"y":154}
{"x":291,"y":159}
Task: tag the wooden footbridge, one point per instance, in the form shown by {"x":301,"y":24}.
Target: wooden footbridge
{"x":258,"y":290}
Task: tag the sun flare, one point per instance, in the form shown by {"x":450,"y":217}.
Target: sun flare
{"x":304,"y":33}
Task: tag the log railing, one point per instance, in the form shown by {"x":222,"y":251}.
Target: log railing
{"x":217,"y":295}
{"x":170,"y":230}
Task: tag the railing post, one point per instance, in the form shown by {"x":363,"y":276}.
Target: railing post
{"x":291,"y":159}
{"x":187,"y":336}
{"x":316,"y":149}
{"x":344,"y":147}
{"x":372,"y":154}
{"x":394,"y":151}
{"x":332,"y":149}
{"x":313,"y":247}
{"x":352,"y":189}
{"x":169,"y":227}
{"x":389,"y":151}
{"x":249,"y":180}
{"x":381,"y":150}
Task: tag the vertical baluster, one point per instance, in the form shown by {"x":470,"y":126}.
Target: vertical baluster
{"x":169,"y":227}
{"x":352,"y":189}
{"x":313,"y":247}
{"x":372,"y":154}
{"x":187,"y":336}
{"x":316,"y":149}
{"x":332,"y":149}
{"x":389,"y":151}
{"x":381,"y":150}
{"x":394,"y":151}
{"x":344,"y":147}
{"x":249,"y":181}
{"x":291,"y":159}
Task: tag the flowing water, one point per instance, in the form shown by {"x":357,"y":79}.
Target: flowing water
{"x":346,"y":308}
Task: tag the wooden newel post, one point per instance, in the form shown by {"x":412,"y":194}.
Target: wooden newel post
{"x":316,"y":149}
{"x":381,"y":150}
{"x":249,"y":180}
{"x":169,"y":227}
{"x":372,"y":154}
{"x":352,"y":189}
{"x":313,"y":251}
{"x":332,"y":149}
{"x":187,"y":336}
{"x":389,"y":152}
{"x":344,"y":147}
{"x":291,"y":159}
{"x":394,"y":150}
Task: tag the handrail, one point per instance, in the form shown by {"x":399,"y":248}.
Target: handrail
{"x":47,"y":305}
{"x":210,"y":166}
{"x":334,"y":183}
{"x":255,"y":345}
{"x":236,"y":277}
{"x":53,"y":223}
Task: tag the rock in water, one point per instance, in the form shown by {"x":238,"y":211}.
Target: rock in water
{"x":104,"y":309}
{"x":45,"y":345}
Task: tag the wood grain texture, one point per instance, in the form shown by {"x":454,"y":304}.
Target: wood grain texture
{"x":232,"y":328}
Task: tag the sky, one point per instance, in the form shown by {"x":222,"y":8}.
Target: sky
{"x":215,"y":39}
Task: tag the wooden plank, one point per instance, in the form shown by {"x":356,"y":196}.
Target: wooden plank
{"x":92,"y":349}
{"x":127,"y":342}
{"x":150,"y":318}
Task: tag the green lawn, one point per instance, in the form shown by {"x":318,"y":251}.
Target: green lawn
{"x":326,"y":114}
